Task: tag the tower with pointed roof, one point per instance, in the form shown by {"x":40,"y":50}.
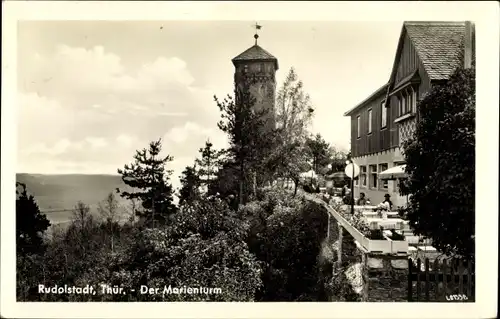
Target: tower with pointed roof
{"x":259,"y":66}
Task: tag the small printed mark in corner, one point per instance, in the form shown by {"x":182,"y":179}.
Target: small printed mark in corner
{"x":460,"y":297}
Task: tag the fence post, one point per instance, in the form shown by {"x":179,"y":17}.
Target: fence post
{"x":460,"y":271}
{"x":427,"y":279}
{"x":445,"y":279}
{"x":410,"y":281}
{"x":469,"y":279}
{"x":419,"y":266}
{"x":436,"y":278}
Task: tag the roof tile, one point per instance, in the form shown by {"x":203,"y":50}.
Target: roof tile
{"x":255,"y":53}
{"x":439,"y":46}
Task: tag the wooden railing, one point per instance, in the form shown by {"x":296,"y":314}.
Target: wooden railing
{"x":441,"y":281}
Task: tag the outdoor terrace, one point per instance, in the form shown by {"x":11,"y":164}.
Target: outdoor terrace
{"x":387,"y":234}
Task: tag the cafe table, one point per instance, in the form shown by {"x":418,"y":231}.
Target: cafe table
{"x":389,"y":223}
{"x":368,"y":213}
{"x":365,"y":207}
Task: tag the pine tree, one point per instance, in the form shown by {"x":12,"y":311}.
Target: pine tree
{"x":30,"y":223}
{"x":208,"y":163}
{"x":249,"y":138}
{"x":148,"y":176}
{"x":190,"y":185}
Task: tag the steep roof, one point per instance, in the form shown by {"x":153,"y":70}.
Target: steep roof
{"x":255,"y":53}
{"x":439,"y":46}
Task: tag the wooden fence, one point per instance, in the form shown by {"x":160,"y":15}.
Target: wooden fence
{"x":441,"y":280}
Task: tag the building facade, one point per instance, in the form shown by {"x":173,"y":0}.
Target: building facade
{"x":427,"y":54}
{"x":255,"y":71}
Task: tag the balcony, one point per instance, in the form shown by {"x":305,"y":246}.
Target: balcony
{"x":386,"y":235}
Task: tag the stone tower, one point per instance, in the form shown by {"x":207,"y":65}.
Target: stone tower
{"x":260,"y":66}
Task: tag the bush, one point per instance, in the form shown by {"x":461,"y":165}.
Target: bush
{"x":440,"y":161}
{"x":204,"y":247}
{"x":286,"y":235}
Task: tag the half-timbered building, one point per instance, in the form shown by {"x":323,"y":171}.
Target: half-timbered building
{"x":427,"y":54}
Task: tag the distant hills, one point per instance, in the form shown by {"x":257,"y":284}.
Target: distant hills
{"x":57,"y":195}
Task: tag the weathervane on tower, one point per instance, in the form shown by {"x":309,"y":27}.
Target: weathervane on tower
{"x":256,"y":36}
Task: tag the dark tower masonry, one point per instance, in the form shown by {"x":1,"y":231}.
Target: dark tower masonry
{"x":259,"y":67}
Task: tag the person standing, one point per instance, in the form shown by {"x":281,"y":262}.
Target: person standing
{"x":345,"y":189}
{"x":387,"y":201}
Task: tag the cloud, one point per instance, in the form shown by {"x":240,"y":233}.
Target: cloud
{"x":97,"y":142}
{"x":84,"y":110}
{"x":126,"y":140}
{"x":95,"y":78}
{"x":193,"y":135}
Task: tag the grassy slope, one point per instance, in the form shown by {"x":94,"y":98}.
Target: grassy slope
{"x":62,"y":192}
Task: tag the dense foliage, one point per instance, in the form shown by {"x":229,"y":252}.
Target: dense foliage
{"x":441,"y":165}
{"x":286,"y":233}
{"x":294,"y":113}
{"x":208,"y":164}
{"x":30,"y":223}
{"x":250,"y":136}
{"x":234,"y":229}
{"x":204,"y":247}
{"x":149,"y":178}
{"x":319,"y":153}
{"x":267,"y":251}
{"x":190,"y":184}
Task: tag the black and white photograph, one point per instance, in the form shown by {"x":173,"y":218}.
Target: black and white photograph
{"x":204,"y":153}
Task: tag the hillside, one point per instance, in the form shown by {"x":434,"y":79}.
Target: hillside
{"x":56,"y":195}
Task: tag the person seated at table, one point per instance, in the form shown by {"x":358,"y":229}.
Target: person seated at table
{"x":361,"y":200}
{"x":387,"y":201}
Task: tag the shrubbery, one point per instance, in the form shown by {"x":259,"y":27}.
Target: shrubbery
{"x":286,"y":233}
{"x":441,"y":166}
{"x":272,"y":249}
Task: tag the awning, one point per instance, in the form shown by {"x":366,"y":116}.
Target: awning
{"x":393,"y":173}
{"x":338,"y":176}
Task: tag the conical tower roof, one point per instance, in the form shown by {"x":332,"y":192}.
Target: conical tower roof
{"x":255,"y":53}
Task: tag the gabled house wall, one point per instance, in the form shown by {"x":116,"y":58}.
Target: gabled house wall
{"x":383,"y":146}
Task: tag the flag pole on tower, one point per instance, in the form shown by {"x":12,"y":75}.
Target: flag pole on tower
{"x":256,"y":36}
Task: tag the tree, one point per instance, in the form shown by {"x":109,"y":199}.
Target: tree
{"x":190,"y":182}
{"x":226,"y":182}
{"x":338,"y":159}
{"x":294,"y":110}
{"x":294,"y":113}
{"x":208,"y":164}
{"x":133,"y":210}
{"x":30,"y":223}
{"x":440,"y":162}
{"x":249,"y":138}
{"x":109,"y":211}
{"x":81,"y":227}
{"x":150,"y":178}
{"x":290,"y":161}
{"x":319,"y":152}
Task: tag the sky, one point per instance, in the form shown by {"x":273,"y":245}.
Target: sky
{"x":90,"y":93}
